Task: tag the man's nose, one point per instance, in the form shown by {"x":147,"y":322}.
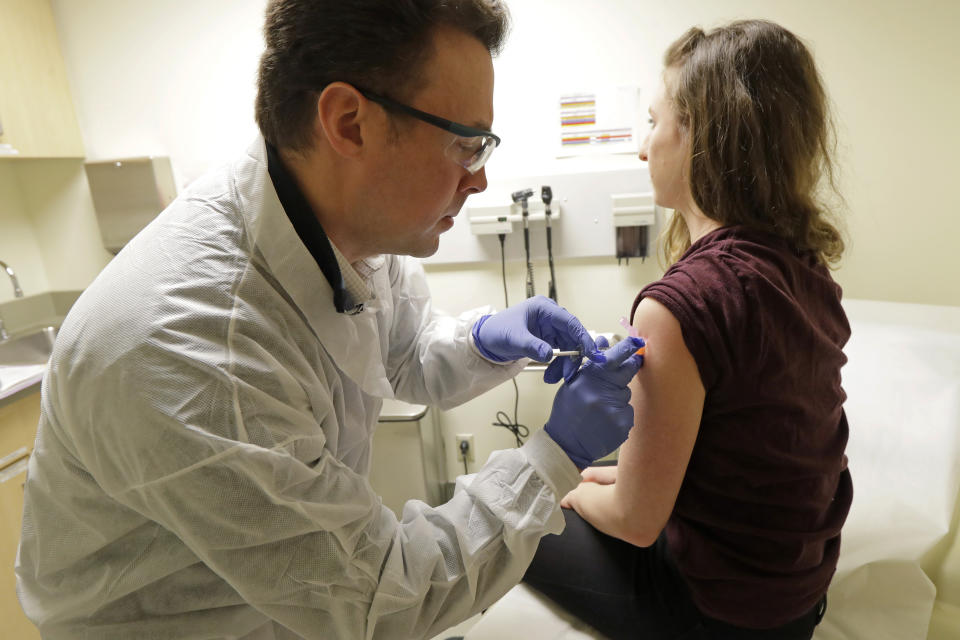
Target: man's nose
{"x":474,"y":182}
{"x":643,"y":149}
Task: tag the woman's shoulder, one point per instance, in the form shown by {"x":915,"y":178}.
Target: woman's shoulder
{"x":711,"y":268}
{"x":746,"y":260}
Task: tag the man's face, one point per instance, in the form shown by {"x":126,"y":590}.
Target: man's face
{"x":416,"y":187}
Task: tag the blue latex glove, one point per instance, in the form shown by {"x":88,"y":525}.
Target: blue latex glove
{"x":591,"y":414}
{"x":531,"y":329}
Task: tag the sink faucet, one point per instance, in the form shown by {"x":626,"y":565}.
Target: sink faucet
{"x":17,"y":293}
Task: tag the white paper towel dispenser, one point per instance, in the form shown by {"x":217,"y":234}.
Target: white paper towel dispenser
{"x":127,"y":194}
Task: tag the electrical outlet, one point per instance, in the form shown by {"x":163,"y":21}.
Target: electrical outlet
{"x":468,"y":438}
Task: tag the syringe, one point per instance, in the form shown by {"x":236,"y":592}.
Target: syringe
{"x":557,"y":353}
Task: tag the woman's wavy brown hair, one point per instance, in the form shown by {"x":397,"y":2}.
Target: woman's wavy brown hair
{"x":761,"y":136}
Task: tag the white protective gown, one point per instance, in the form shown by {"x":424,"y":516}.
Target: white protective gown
{"x":201,"y":465}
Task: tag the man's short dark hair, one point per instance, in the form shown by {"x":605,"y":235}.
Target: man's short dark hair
{"x":380,"y":45}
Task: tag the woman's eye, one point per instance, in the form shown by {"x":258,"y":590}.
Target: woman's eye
{"x":650,"y":120}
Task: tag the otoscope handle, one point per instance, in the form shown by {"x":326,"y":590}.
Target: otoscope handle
{"x":522,"y":196}
{"x":546,"y":195}
{"x":551,"y":287}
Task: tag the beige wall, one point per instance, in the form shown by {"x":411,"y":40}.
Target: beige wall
{"x":177,"y":78}
{"x":58,"y":202}
{"x":19,"y":245}
{"x":48,"y":230}
{"x":890,"y":68}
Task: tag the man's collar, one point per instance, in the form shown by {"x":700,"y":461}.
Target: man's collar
{"x":308,"y":228}
{"x":356,"y":278}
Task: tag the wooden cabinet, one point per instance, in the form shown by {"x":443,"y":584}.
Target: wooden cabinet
{"x":18,"y":426}
{"x":36,"y":109}
{"x":18,"y":423}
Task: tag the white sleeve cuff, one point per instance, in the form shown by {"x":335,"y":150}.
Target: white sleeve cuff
{"x":552,"y":463}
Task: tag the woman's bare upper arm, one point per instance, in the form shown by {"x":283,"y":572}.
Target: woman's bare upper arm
{"x":667,"y":398}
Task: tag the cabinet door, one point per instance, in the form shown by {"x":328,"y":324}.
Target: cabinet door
{"x":36,"y":110}
{"x":18,"y":423}
{"x":18,"y":428}
{"x":15,"y":623}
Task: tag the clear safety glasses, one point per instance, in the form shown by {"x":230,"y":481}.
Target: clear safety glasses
{"x":470,"y":149}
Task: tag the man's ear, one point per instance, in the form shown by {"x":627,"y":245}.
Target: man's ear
{"x":343,"y":117}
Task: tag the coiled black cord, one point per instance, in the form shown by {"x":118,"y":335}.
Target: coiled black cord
{"x":503,"y":420}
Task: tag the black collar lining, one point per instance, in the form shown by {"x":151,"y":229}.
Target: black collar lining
{"x":307,"y":226}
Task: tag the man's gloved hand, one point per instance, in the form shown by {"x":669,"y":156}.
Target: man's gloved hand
{"x":531,"y":329}
{"x":591,"y":414}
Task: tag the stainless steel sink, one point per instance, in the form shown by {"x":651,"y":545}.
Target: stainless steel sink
{"x":23,"y":360}
{"x":28,"y":349}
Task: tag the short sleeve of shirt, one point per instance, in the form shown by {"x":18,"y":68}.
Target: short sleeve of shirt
{"x":704,"y":294}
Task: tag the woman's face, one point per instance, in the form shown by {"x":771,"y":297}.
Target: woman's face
{"x":666,"y":150}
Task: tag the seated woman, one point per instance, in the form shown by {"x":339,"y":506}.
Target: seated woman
{"x":722,"y":518}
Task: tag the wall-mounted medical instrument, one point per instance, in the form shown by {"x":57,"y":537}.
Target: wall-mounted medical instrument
{"x":499,"y":220}
{"x":522,"y":197}
{"x":633,"y":216}
{"x":494,"y":219}
{"x":127,"y":194}
{"x":546,"y":196}
{"x":580,"y":198}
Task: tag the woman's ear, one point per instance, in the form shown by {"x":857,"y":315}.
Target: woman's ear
{"x":342,"y":118}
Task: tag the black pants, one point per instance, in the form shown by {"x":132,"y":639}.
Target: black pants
{"x":625,"y":591}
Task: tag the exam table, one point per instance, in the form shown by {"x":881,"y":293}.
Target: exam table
{"x":898,"y":576}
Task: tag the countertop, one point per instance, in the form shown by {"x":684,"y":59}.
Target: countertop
{"x":27,"y":381}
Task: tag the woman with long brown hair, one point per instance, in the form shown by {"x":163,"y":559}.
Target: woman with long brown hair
{"x":722,"y":517}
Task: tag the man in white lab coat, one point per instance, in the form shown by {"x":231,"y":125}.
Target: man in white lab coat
{"x":201,"y":463}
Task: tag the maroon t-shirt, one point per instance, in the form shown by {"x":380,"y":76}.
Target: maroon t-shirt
{"x":756,"y":526}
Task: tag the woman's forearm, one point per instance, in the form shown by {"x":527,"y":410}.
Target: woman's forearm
{"x":597,"y":504}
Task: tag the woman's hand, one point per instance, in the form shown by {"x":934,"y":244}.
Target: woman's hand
{"x":596,"y":476}
{"x":572,"y":499}
{"x":600,"y":475}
